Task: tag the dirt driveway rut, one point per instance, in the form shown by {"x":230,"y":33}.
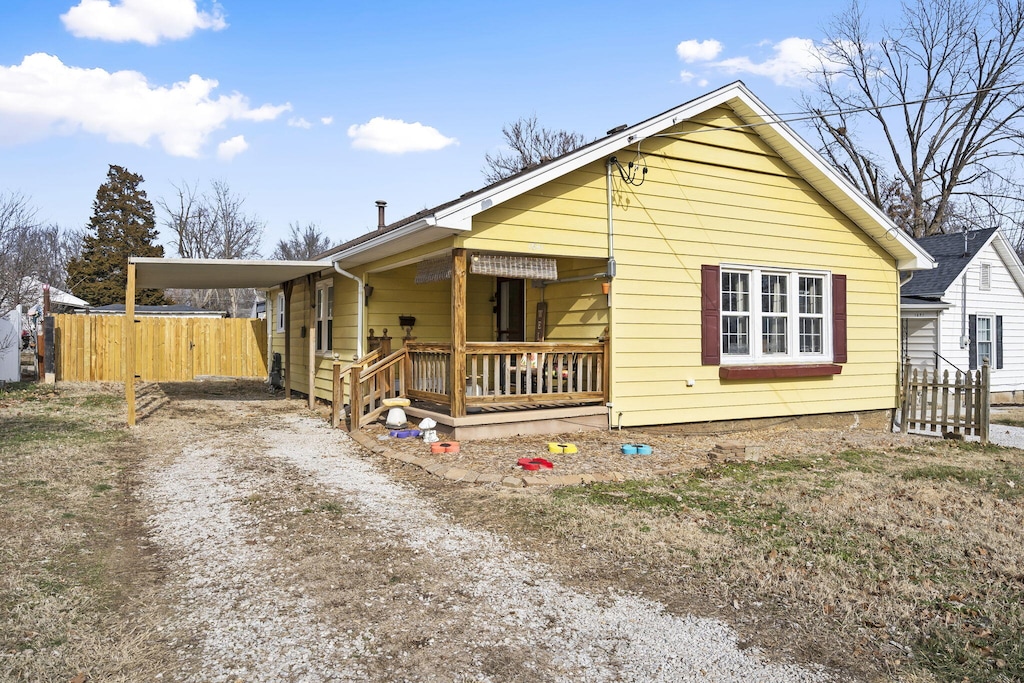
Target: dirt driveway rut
{"x":292,"y":557}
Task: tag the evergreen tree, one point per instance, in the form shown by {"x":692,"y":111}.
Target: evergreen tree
{"x":122,"y":225}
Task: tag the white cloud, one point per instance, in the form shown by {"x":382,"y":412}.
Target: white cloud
{"x":327,"y":120}
{"x":698,"y":51}
{"x":689,"y":77}
{"x":144,"y":21}
{"x":42,"y":96}
{"x":299,"y":122}
{"x":794,"y":60}
{"x":229,"y":149}
{"x":394,"y":136}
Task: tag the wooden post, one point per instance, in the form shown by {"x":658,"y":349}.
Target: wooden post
{"x":355,"y":399}
{"x":337,"y":396}
{"x":458,"y":367}
{"x":129,"y":344}
{"x":985,"y":400}
{"x":311,"y":338}
{"x":288,"y":287}
{"x":905,"y":399}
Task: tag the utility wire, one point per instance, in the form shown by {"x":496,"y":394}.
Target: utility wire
{"x":795,"y":117}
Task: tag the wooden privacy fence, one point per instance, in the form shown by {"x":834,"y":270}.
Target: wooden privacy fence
{"x":91,"y":347}
{"x":934,"y":404}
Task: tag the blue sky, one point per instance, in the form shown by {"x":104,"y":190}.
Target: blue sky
{"x":312,"y":110}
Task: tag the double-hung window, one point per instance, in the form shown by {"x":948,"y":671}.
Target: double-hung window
{"x":985,"y":337}
{"x":774,"y":316}
{"x":279,"y":311}
{"x":325,"y":316}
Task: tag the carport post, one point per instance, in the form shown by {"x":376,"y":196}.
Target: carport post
{"x":311,"y":314}
{"x":129,"y":344}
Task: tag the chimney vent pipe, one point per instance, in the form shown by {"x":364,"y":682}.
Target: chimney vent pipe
{"x":380,"y":213}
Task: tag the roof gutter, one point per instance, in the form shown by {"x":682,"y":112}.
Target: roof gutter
{"x":397,"y":234}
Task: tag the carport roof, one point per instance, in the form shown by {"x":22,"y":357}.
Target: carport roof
{"x":166,"y":273}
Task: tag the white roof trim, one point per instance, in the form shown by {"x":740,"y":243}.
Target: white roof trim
{"x":167,"y":273}
{"x":792,"y":148}
{"x":1010,"y":258}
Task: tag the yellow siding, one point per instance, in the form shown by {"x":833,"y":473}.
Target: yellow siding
{"x":716,"y":198}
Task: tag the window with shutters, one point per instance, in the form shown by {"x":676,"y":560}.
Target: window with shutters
{"x":774,"y":316}
{"x":986,"y":338}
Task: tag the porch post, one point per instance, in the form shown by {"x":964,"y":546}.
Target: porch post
{"x":458,"y":378}
{"x":129,"y":344}
{"x":311,"y":337}
{"x":287,"y":367}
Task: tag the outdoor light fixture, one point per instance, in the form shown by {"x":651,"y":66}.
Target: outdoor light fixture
{"x":367,"y":291}
{"x":407,"y":322}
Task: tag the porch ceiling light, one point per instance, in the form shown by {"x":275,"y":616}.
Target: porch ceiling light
{"x":520,"y":267}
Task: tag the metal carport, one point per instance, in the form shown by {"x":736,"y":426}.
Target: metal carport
{"x":162,"y":273}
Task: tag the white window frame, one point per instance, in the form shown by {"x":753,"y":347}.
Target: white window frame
{"x":788,"y":309}
{"x":991,"y":341}
{"x":324,"y":329}
{"x":279,"y":311}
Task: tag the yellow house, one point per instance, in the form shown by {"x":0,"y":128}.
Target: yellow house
{"x":704,"y":264}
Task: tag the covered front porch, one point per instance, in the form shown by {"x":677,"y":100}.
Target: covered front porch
{"x":476,"y":376}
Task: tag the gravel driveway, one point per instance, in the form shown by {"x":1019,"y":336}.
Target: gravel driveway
{"x":294,"y":557}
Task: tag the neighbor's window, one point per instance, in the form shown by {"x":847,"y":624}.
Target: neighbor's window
{"x":325,"y":316}
{"x":787,"y":309}
{"x":985,"y":337}
{"x":279,"y":310}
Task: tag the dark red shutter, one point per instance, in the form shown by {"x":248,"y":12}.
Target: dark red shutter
{"x":710,"y":320}
{"x":838,"y":318}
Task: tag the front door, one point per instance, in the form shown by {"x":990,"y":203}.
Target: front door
{"x":511,"y":310}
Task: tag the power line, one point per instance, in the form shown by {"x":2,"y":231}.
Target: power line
{"x":799,"y":116}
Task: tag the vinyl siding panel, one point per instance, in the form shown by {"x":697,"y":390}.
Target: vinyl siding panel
{"x":1004,"y":298}
{"x":716,"y":197}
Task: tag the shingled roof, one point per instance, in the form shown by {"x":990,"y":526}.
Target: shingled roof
{"x":952,"y":253}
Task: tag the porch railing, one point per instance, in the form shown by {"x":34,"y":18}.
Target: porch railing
{"x":500,"y":373}
{"x":371,"y":384}
{"x":497,"y":374}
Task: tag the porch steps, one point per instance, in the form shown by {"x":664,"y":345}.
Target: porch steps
{"x":497,"y":424}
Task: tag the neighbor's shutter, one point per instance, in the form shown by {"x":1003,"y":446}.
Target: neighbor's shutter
{"x":972,"y":344}
{"x":710,"y":320}
{"x":839,"y":318}
{"x":999,"y":342}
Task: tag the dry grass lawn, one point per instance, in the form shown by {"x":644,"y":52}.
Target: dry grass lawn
{"x":903,"y":561}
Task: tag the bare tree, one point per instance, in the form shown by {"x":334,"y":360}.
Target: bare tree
{"x":302,"y":244}
{"x":30,"y":249}
{"x":213,"y":225}
{"x":938,"y":95}
{"x":530,"y":144}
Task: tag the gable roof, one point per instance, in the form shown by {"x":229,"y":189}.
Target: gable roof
{"x":952,"y":254}
{"x":456,"y":215}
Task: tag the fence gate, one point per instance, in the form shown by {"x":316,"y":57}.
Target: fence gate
{"x":90,"y":347}
{"x":932,"y":404}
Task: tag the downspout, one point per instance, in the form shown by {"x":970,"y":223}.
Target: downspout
{"x":611,"y":275}
{"x":359,"y":306}
{"x":611,"y":225}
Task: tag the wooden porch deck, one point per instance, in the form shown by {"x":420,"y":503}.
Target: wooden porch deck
{"x":490,"y":422}
{"x":495,"y":389}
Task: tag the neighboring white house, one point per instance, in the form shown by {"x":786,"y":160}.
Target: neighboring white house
{"x":970,"y":307}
